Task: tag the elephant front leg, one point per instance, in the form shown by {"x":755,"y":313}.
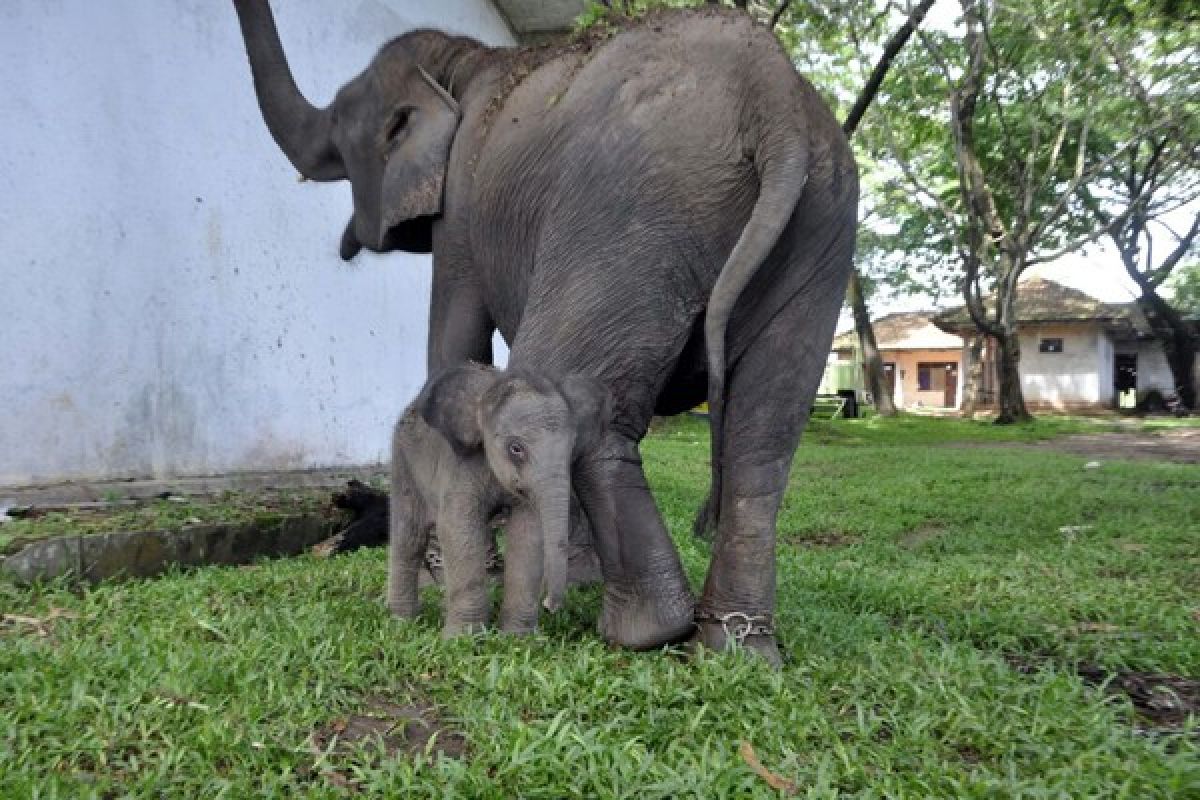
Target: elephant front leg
{"x":460,"y":327}
{"x":463,"y":530}
{"x":647,"y":601}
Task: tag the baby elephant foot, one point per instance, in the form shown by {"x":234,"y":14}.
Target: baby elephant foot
{"x":518,"y":626}
{"x":645,"y":617}
{"x":736,"y":630}
{"x":453,"y":628}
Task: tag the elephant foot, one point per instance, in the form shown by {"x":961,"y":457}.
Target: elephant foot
{"x":645,"y":617}
{"x":403,"y":610}
{"x":752,"y":633}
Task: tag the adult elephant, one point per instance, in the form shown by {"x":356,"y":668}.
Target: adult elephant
{"x":669,"y":208}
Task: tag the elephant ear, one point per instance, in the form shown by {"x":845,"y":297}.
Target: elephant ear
{"x":415,"y":176}
{"x":449,"y":404}
{"x":591,"y":408}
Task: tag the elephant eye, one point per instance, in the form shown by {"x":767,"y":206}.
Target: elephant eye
{"x":516,"y":451}
{"x":399,"y":122}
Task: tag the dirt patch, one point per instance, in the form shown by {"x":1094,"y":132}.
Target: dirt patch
{"x":1181,"y":446}
{"x":822,"y":539}
{"x":386,"y":730}
{"x":1162,"y":702}
{"x":922,"y":535}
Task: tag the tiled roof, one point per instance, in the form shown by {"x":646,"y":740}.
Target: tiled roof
{"x":906,"y":330}
{"x":1041,"y":300}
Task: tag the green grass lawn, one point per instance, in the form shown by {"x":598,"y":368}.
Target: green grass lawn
{"x":935,"y":613}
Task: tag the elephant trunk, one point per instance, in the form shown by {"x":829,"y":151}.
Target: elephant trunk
{"x":554,"y":515}
{"x":302,"y":131}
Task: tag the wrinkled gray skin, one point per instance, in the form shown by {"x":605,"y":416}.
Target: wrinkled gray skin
{"x":475,"y":441}
{"x":670,"y":209}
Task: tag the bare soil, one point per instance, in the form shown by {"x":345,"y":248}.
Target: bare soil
{"x":1181,"y":445}
{"x":389,"y":729}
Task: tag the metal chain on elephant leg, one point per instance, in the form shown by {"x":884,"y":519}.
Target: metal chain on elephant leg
{"x":738,"y":625}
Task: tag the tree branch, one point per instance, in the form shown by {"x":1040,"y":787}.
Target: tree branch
{"x":893,"y":46}
{"x":779,"y":13}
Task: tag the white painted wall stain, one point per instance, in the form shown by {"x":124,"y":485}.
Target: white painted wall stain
{"x":174,"y":299}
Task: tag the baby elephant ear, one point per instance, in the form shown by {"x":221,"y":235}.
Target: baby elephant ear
{"x":450,"y":401}
{"x":591,"y":408}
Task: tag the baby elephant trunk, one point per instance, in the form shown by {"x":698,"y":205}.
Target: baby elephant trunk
{"x":554,"y":514}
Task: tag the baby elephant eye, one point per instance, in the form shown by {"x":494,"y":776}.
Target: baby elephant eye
{"x":516,"y":450}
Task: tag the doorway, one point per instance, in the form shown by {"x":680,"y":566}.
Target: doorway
{"x":1125,"y":371}
{"x":951,"y":385}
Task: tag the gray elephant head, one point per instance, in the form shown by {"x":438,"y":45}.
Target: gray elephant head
{"x":388,"y":131}
{"x":531,"y":430}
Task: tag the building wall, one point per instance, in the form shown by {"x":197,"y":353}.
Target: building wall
{"x":174,"y":299}
{"x":1067,"y":379}
{"x":908,"y":393}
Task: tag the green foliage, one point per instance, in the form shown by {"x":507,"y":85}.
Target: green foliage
{"x":1185,"y":285}
{"x":599,"y":14}
{"x":934,"y":624}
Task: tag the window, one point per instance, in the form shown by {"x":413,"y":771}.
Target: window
{"x":1051,"y":345}
{"x":931,"y":377}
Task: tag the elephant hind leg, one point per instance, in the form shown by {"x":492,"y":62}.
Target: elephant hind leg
{"x":408,"y":532}
{"x":771,"y":390}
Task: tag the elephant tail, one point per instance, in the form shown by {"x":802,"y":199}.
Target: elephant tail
{"x":783,"y":173}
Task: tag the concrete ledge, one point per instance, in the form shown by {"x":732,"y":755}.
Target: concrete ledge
{"x":532,"y":19}
{"x":144,"y":554}
{"x":147,"y":488}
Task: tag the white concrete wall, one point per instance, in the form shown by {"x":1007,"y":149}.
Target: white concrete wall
{"x":173,"y":299}
{"x":1060,"y":380}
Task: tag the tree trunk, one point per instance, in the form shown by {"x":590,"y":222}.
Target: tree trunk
{"x":872,"y":361}
{"x":1178,"y":342}
{"x":973,"y":383}
{"x":1010,"y":399}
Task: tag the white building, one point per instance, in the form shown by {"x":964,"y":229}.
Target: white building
{"x":173,"y":299}
{"x":1077,"y":353}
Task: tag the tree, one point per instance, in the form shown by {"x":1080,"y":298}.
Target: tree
{"x":996,"y":178}
{"x":1157,"y":178}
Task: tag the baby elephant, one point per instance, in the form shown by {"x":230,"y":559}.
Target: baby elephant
{"x":477,"y":440}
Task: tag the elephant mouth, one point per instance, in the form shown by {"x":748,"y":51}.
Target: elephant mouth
{"x":410,"y":236}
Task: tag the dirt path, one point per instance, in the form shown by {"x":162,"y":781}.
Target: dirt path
{"x":1181,"y":446}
